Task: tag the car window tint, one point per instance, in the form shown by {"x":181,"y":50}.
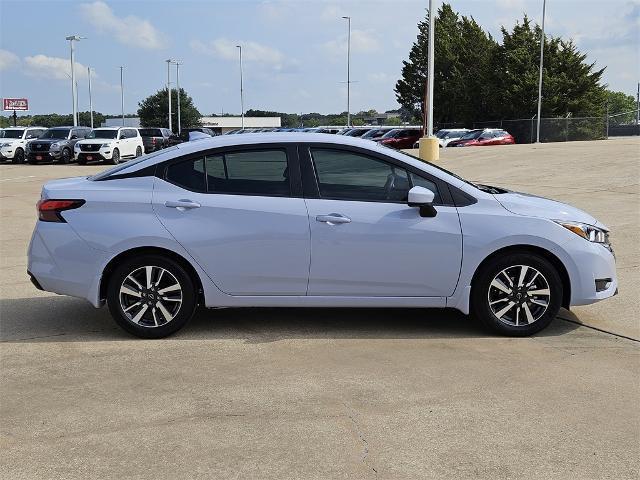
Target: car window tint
{"x":418,"y":181}
{"x":263,"y":172}
{"x":189,"y":174}
{"x":350,"y":176}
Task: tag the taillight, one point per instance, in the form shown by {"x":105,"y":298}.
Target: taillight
{"x":50,"y":210}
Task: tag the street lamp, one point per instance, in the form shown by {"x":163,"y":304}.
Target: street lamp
{"x":429,"y":149}
{"x":348,"y":19}
{"x":177,"y":64}
{"x":122,"y":93}
{"x":74,"y":38}
{"x":90,"y":100}
{"x":169,"y":61}
{"x":75,"y":83}
{"x":544,"y":6}
{"x":241,"y":89}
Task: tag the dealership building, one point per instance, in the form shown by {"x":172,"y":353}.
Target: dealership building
{"x":217,"y":124}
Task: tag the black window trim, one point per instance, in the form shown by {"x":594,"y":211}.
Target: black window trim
{"x":289,"y":149}
{"x":310,"y":180}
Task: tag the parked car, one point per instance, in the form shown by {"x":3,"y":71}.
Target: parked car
{"x":331,"y":130}
{"x":377,"y":132}
{"x":400,"y":137}
{"x":482,"y":137}
{"x":446,"y":135}
{"x":14,"y":142}
{"x":155,"y":138}
{"x":109,"y":144}
{"x":357,"y":132}
{"x":55,"y":144}
{"x":322,"y":221}
{"x":184,"y":133}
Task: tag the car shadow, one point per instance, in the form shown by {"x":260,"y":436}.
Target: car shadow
{"x":65,"y":319}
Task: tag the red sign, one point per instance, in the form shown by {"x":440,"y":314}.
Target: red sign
{"x":15,"y":104}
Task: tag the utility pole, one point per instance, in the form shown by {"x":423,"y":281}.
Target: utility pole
{"x":348,"y":19}
{"x":241,"y":88}
{"x":122,"y":93}
{"x":169,"y":90}
{"x":544,"y":7}
{"x":90,"y":99}
{"x":638,"y":105}
{"x":74,"y":94}
{"x":178,"y":89}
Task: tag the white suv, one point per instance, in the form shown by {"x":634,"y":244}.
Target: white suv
{"x":110,"y":144}
{"x":13,"y":143}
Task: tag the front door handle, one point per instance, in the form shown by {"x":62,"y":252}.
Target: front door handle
{"x":181,"y":204}
{"x":333,"y":219}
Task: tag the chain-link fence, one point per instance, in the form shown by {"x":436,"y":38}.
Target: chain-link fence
{"x":560,"y":129}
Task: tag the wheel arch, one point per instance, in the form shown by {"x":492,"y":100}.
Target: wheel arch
{"x":137,"y":251}
{"x":532,"y":249}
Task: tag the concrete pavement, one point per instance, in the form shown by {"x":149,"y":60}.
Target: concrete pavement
{"x":298,"y":393}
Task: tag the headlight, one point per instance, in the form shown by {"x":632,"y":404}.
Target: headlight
{"x":5,"y":145}
{"x":105,"y":145}
{"x":55,"y":146}
{"x":588,"y":232}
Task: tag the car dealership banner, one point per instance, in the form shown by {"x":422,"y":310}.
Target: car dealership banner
{"x":13,"y":104}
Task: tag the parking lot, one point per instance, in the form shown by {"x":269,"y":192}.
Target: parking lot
{"x":336,"y":393}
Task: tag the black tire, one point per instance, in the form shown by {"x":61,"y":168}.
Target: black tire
{"x":66,"y":156}
{"x":482,"y":291}
{"x":115,"y":157}
{"x":138,"y":152}
{"x":146,"y":329}
{"x":18,"y":157}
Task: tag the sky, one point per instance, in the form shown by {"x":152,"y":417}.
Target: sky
{"x":294,"y":51}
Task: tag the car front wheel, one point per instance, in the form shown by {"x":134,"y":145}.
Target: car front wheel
{"x":115,"y":156}
{"x":517,"y":294}
{"x":138,"y":151}
{"x":18,"y":157}
{"x":151,"y":296}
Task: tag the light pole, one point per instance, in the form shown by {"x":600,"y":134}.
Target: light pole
{"x":74,"y":100}
{"x":178,"y":89}
{"x":348,"y":19}
{"x":241,"y":88}
{"x":429,"y":148}
{"x":90,"y":100}
{"x":544,"y":7}
{"x":122,"y":93}
{"x":169,"y":90}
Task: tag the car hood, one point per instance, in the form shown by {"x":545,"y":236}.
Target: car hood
{"x":48,"y":140}
{"x":534,"y":206}
{"x":92,"y":141}
{"x":10,"y":140}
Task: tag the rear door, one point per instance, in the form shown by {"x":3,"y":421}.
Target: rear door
{"x":239,"y":212}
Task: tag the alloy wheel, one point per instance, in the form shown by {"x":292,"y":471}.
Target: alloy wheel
{"x":519,"y":295}
{"x":150,"y":296}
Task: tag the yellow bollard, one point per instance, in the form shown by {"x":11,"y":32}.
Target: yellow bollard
{"x":429,"y":149}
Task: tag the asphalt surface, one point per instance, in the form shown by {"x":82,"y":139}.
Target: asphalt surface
{"x":336,"y":393}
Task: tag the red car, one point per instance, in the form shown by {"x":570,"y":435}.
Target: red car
{"x":481,"y":137}
{"x":400,"y":137}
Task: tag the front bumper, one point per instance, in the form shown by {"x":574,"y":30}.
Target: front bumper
{"x":593,"y":263}
{"x":100,"y":155}
{"x":6,"y":153}
{"x":44,"y":156}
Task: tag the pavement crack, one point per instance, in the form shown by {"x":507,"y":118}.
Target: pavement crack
{"x":365,"y":445}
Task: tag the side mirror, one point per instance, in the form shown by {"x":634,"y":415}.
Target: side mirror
{"x":74,"y":137}
{"x":423,"y":199}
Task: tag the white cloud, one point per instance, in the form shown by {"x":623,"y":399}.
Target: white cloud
{"x":8,"y":59}
{"x":54,"y":68}
{"x":130,"y":30}
{"x":252,"y":52}
{"x":381,"y":77}
{"x":332,"y":12}
{"x":361,"y":42}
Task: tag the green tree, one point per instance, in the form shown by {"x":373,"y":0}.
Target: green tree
{"x":154,"y":110}
{"x":620,"y":102}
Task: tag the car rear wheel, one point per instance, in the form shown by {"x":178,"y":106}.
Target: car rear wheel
{"x":151,"y":296}
{"x":517,"y":294}
{"x":115,"y":158}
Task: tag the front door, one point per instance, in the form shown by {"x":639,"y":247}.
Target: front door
{"x":366,"y":240}
{"x":235,"y":213}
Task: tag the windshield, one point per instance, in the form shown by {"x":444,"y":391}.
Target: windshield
{"x":442,"y":133}
{"x":472,"y":135}
{"x":150,"y":132}
{"x":103,"y":134}
{"x":444,"y":170}
{"x":13,"y":133}
{"x":59,"y":133}
{"x":392,"y":133}
{"x":130,"y":163}
{"x":373,"y":133}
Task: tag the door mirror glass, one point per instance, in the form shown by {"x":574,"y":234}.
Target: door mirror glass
{"x":419,"y":196}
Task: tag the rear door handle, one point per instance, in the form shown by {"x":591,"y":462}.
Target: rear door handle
{"x":181,"y":204}
{"x":333,"y":219}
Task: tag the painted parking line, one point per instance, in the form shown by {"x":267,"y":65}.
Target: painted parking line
{"x":16,"y":178}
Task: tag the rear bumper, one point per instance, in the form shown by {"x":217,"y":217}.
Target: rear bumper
{"x":73,"y":270}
